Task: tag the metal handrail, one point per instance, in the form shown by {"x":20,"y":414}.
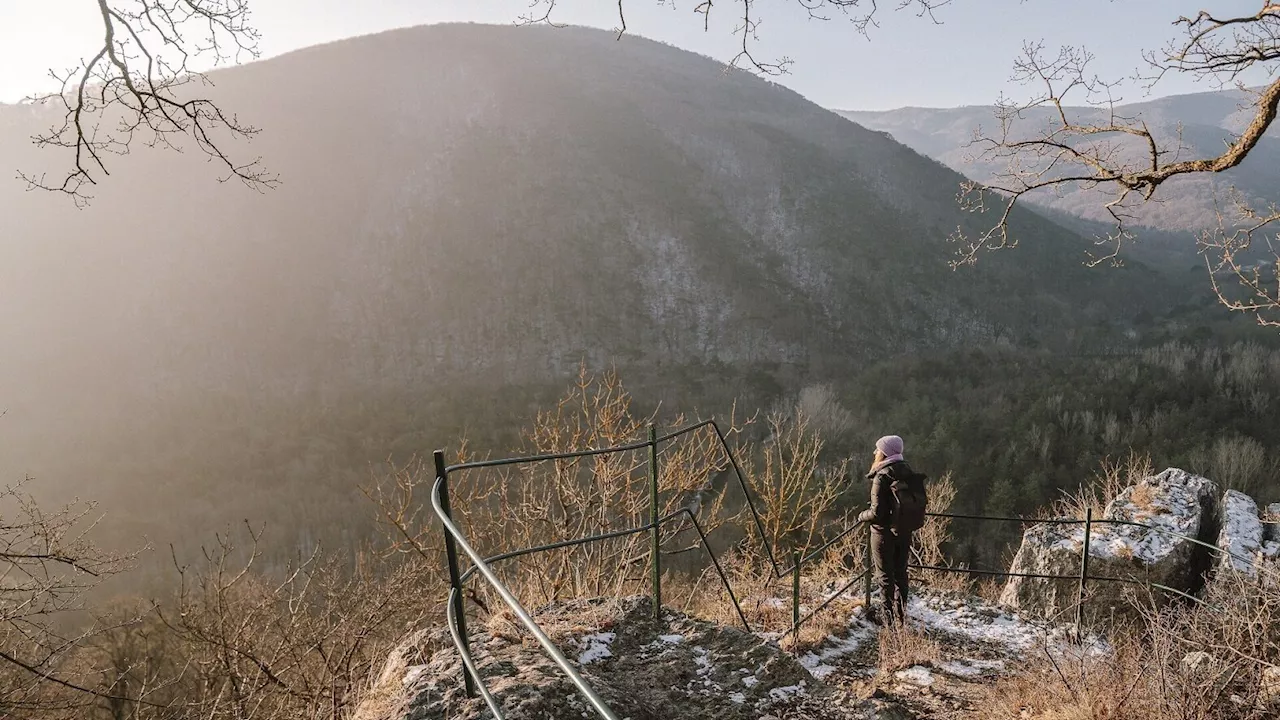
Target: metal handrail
{"x":470,"y":572}
{"x":465,"y":653}
{"x":795,"y":625}
{"x":715,"y":561}
{"x":453,"y":535}
{"x":510,"y":599}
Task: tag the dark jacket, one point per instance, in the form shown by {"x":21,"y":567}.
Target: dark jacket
{"x":883,"y":507}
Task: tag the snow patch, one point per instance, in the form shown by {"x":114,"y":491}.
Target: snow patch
{"x":595,"y":647}
{"x":834,"y":648}
{"x":916,"y":675}
{"x":412,"y":674}
{"x":968,"y":668}
{"x":988,"y":624}
{"x":782,"y":693}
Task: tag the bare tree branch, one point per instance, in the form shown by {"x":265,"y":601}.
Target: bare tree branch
{"x":861,"y":13}
{"x":47,"y":567}
{"x":141,"y":85}
{"x":1099,"y":147}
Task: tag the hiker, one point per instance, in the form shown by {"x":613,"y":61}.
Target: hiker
{"x":898,"y":501}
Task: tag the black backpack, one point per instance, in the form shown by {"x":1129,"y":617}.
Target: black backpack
{"x":911,"y":498}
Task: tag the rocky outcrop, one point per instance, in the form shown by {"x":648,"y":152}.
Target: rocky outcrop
{"x":643,"y":669}
{"x":1174,"y":505}
{"x":1240,"y":538}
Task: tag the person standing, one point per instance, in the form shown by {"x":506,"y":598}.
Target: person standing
{"x":898,"y":505}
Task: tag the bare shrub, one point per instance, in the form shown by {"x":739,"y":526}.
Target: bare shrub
{"x":304,"y":645}
{"x":48,"y":567}
{"x":1183,"y":662}
{"x":823,"y":413}
{"x":528,"y":505}
{"x":1112,"y":477}
{"x":798,"y":496}
{"x":929,"y":543}
{"x":1238,"y":462}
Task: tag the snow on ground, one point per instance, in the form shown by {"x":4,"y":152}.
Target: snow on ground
{"x":595,"y":647}
{"x":833,"y":648}
{"x":995,"y":629}
{"x":916,"y":675}
{"x":412,"y":673}
{"x":978,"y":621}
{"x":968,"y":668}
{"x":782,"y":693}
{"x":974,"y":621}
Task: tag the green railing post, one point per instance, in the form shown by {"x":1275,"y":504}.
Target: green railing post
{"x":866,"y":575}
{"x":1084,"y":574}
{"x":655,"y":530}
{"x":455,"y":576}
{"x":795,"y":591}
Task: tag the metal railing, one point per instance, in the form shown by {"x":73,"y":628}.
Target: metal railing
{"x":455,"y":540}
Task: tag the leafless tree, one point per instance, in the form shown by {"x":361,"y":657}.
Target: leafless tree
{"x":48,"y":565}
{"x":142,"y":85}
{"x":1118,"y":154}
{"x":861,"y":13}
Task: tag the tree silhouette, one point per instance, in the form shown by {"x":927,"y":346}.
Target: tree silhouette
{"x":140,"y":86}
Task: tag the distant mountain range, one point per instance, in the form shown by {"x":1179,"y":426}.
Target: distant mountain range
{"x":1198,"y":123}
{"x":468,"y":210}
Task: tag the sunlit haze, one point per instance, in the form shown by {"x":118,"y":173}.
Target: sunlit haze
{"x":744,"y":393}
{"x":908,"y":61}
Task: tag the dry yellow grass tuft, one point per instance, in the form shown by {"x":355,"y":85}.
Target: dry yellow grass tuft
{"x":1143,"y":496}
{"x":902,"y":648}
{"x":1113,"y":477}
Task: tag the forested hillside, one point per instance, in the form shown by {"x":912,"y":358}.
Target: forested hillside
{"x":466,"y":214}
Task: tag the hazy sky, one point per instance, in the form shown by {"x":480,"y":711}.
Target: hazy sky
{"x":908,"y":61}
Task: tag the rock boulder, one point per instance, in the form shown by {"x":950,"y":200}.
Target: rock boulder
{"x":1240,"y":537}
{"x":1173,"y":502}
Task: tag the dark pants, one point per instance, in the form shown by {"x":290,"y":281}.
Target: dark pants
{"x":891,"y":552}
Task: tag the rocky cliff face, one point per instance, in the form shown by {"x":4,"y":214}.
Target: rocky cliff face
{"x":1191,"y":533}
{"x":679,"y":667}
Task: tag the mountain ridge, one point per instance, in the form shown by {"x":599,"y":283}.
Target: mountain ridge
{"x":1194,"y":124}
{"x":472,"y":206}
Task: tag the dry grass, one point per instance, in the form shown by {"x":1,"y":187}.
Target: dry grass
{"x":1143,"y":496}
{"x":901,"y":648}
{"x":929,"y":543}
{"x":1112,"y":477}
{"x":832,"y":621}
{"x":1095,"y":690}
{"x":989,"y":589}
{"x":386,"y":698}
{"x":1150,"y":675}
